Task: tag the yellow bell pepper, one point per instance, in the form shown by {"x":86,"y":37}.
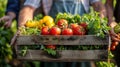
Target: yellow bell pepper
{"x":31,"y":23}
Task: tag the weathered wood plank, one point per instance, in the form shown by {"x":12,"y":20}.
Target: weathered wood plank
{"x":63,"y":55}
{"x":66,"y":55}
{"x":62,"y":40}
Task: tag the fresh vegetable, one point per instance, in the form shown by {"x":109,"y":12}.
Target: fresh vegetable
{"x":24,"y":51}
{"x":117,"y":28}
{"x":45,"y":30}
{"x":31,"y":23}
{"x":105,"y":64}
{"x":28,"y":31}
{"x":79,"y":30}
{"x":55,"y":31}
{"x":67,"y":31}
{"x":62,"y":23}
{"x":69,"y":17}
{"x":38,"y":17}
{"x":96,"y":25}
{"x":84,"y":25}
{"x":40,"y":24}
{"x":73,"y":25}
{"x":51,"y":46}
{"x":113,"y":45}
{"x":51,"y":51}
{"x":48,"y":21}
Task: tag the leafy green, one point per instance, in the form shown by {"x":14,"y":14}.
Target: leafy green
{"x":38,"y":17}
{"x":24,"y":51}
{"x":105,"y":64}
{"x":29,"y":31}
{"x":117,"y":28}
{"x":5,"y":48}
{"x":50,"y":51}
{"x":96,"y":25}
{"x":69,"y":17}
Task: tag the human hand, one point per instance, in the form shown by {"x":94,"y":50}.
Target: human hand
{"x":8,"y":21}
{"x":114,"y":36}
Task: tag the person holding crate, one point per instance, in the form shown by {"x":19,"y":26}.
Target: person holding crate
{"x":53,"y":7}
{"x":113,"y":14}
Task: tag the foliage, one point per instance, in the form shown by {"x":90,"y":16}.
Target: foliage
{"x":5,"y":48}
{"x":105,"y":64}
{"x":69,"y":17}
{"x":96,"y":25}
{"x":38,"y":17}
{"x":2,"y":7}
{"x":29,"y":31}
{"x":5,"y":37}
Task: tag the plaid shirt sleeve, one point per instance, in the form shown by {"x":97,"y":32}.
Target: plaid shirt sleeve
{"x":92,"y":1}
{"x":33,"y":3}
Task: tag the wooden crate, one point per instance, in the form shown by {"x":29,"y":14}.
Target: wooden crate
{"x":64,"y":55}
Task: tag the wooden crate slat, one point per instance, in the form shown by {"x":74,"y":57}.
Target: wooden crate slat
{"x":66,"y":55}
{"x":62,"y":40}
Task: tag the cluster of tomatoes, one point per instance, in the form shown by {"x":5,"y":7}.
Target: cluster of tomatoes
{"x":114,"y":43}
{"x":62,"y":27}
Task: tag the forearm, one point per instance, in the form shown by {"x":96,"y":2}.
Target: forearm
{"x":25,"y":14}
{"x":99,"y":7}
{"x":109,"y":8}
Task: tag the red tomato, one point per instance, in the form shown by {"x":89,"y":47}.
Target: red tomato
{"x":114,"y":43}
{"x":62,"y":23}
{"x":51,"y":46}
{"x":55,"y":31}
{"x":112,"y":47}
{"x":67,"y":31}
{"x":73,"y":25}
{"x":44,"y":30}
{"x":79,"y":30}
{"x":84,"y":25}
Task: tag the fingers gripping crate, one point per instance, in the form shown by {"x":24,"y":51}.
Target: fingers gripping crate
{"x":64,"y":55}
